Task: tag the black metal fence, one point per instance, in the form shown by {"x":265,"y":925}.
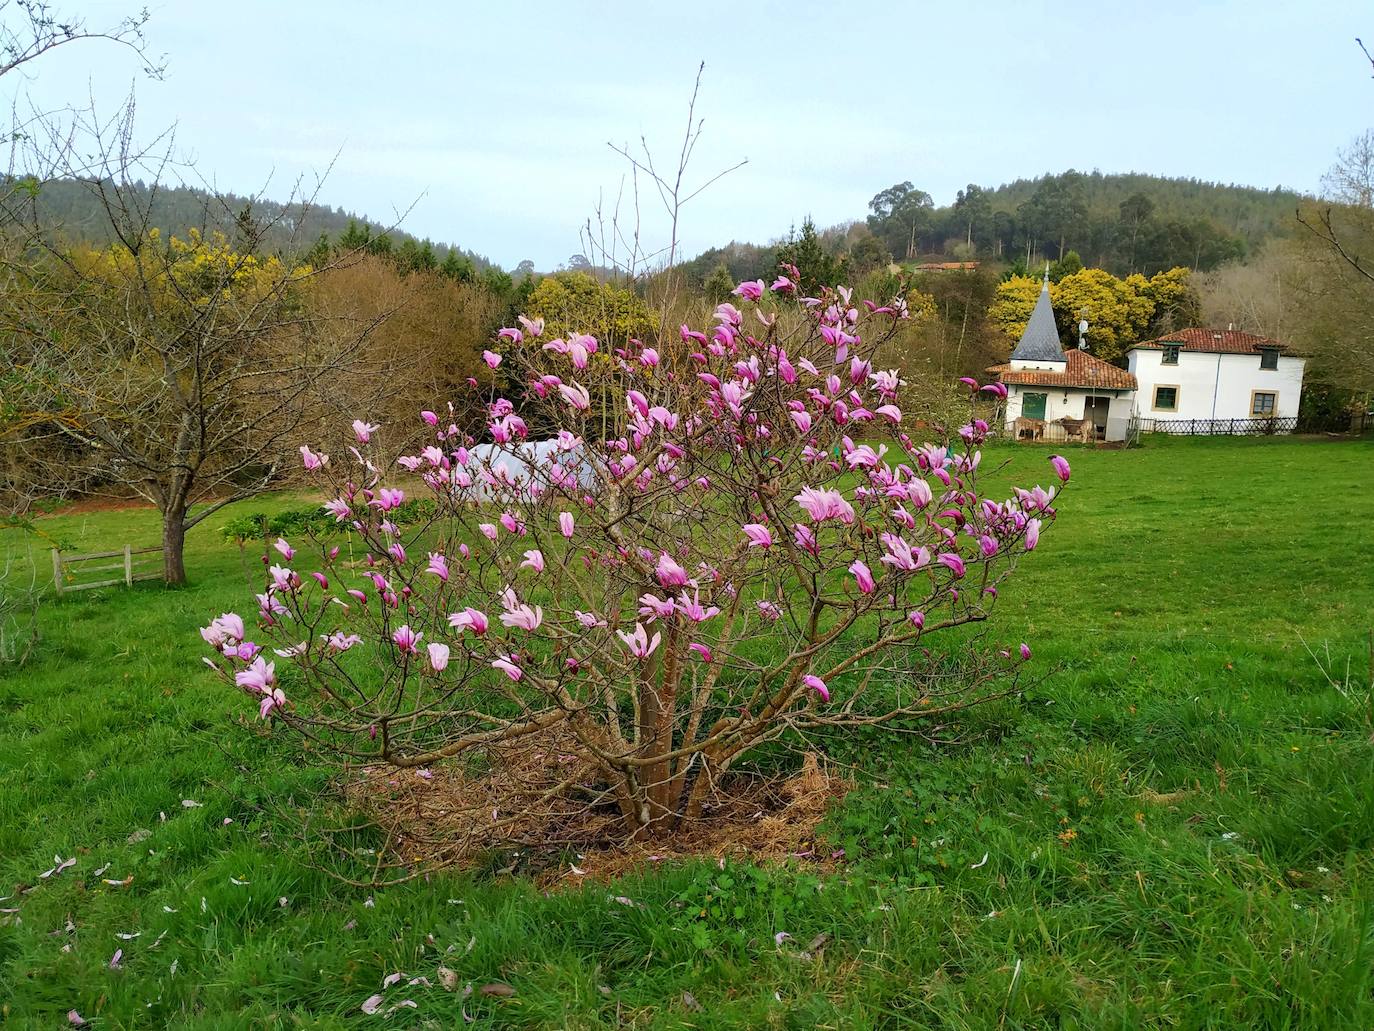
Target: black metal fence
{"x":1213,"y":427}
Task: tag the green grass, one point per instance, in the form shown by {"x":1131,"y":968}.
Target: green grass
{"x":1219,"y":792}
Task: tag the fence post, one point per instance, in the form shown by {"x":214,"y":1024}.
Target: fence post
{"x":128,"y":567}
{"x":1232,"y":432}
{"x":57,"y":569}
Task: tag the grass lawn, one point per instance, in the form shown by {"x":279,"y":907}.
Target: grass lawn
{"x":1178,"y":821}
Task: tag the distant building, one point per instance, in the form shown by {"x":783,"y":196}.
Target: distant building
{"x":1212,"y":380}
{"x":1046,"y":384}
{"x":1217,"y":375}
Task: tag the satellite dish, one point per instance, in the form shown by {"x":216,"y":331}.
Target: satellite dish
{"x":1082,"y":332}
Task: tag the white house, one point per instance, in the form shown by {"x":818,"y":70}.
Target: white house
{"x":1045,"y":383}
{"x":1214,"y":377}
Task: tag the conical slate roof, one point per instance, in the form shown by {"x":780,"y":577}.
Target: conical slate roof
{"x":1040,"y":341}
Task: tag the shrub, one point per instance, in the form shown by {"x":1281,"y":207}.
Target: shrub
{"x":608,"y":620}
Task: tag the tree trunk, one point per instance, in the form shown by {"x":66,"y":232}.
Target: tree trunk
{"x":174,"y":545}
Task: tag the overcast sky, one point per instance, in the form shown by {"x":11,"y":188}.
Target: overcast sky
{"x":493,"y":118}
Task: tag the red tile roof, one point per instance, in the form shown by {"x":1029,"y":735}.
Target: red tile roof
{"x":1215,"y":341}
{"x":1081,"y":370}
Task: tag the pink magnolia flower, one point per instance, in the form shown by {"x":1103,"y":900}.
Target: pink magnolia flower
{"x":430,"y":418}
{"x":273,"y":699}
{"x":492,"y":358}
{"x":1061,"y":467}
{"x":652,"y":607}
{"x":438,"y":565}
{"x":805,"y":538}
{"x":565,"y":523}
{"x":953,"y":561}
{"x":862,"y":576}
{"x":364,"y":430}
{"x":818,"y":685}
{"x":1025,"y":650}
{"x":917,"y":618}
{"x":750,"y":291}
{"x":523,"y":617}
{"x":226,"y":629}
{"x":901,"y":556}
{"x":759,"y":535}
{"x":507,"y":665}
{"x":338,"y":508}
{"x":488,"y":530}
{"x":576,"y":395}
{"x":701,"y":650}
{"x":469,"y":619}
{"x":669,"y":573}
{"x":438,"y":656}
{"x":694,"y":610}
{"x":769,"y":611}
{"x":589,"y":620}
{"x":640,"y":644}
{"x":1032,"y":534}
{"x":825,"y":504}
{"x":338,"y":641}
{"x":407,"y":640}
{"x":649,"y":357}
{"x":311,"y":460}
{"x":389,"y":498}
{"x":534,"y":559}
{"x":258,"y":678}
{"x":783,"y":285}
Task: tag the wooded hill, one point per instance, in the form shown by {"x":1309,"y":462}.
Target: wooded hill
{"x":1129,"y":222}
{"x":75,"y":210}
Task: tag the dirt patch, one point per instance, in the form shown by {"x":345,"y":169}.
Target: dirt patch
{"x":507,"y":822}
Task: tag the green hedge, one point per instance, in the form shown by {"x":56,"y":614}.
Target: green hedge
{"x":315,"y":522}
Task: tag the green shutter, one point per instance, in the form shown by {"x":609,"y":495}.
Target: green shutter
{"x":1033,"y":405}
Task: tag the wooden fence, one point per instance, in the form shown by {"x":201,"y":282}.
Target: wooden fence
{"x":69,"y":571}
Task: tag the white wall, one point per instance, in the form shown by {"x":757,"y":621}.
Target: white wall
{"x":1214,"y":386}
{"x":1056,"y":404}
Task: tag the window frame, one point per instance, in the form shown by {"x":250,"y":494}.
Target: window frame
{"x":1274,"y":408}
{"x":1171,"y":354}
{"x":1154,"y":397}
{"x":1265,"y":352}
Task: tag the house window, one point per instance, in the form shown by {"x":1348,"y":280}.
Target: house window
{"x":1263,"y":403}
{"x":1166,"y":399}
{"x":1170,"y":355}
{"x":1269,"y":358}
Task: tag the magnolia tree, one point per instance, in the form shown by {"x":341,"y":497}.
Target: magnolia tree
{"x":729,"y":538}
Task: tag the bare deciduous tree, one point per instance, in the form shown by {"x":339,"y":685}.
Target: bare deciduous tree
{"x":174,"y":369}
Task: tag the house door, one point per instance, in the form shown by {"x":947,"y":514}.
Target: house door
{"x":1033,"y":405}
{"x":1095,"y":408}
